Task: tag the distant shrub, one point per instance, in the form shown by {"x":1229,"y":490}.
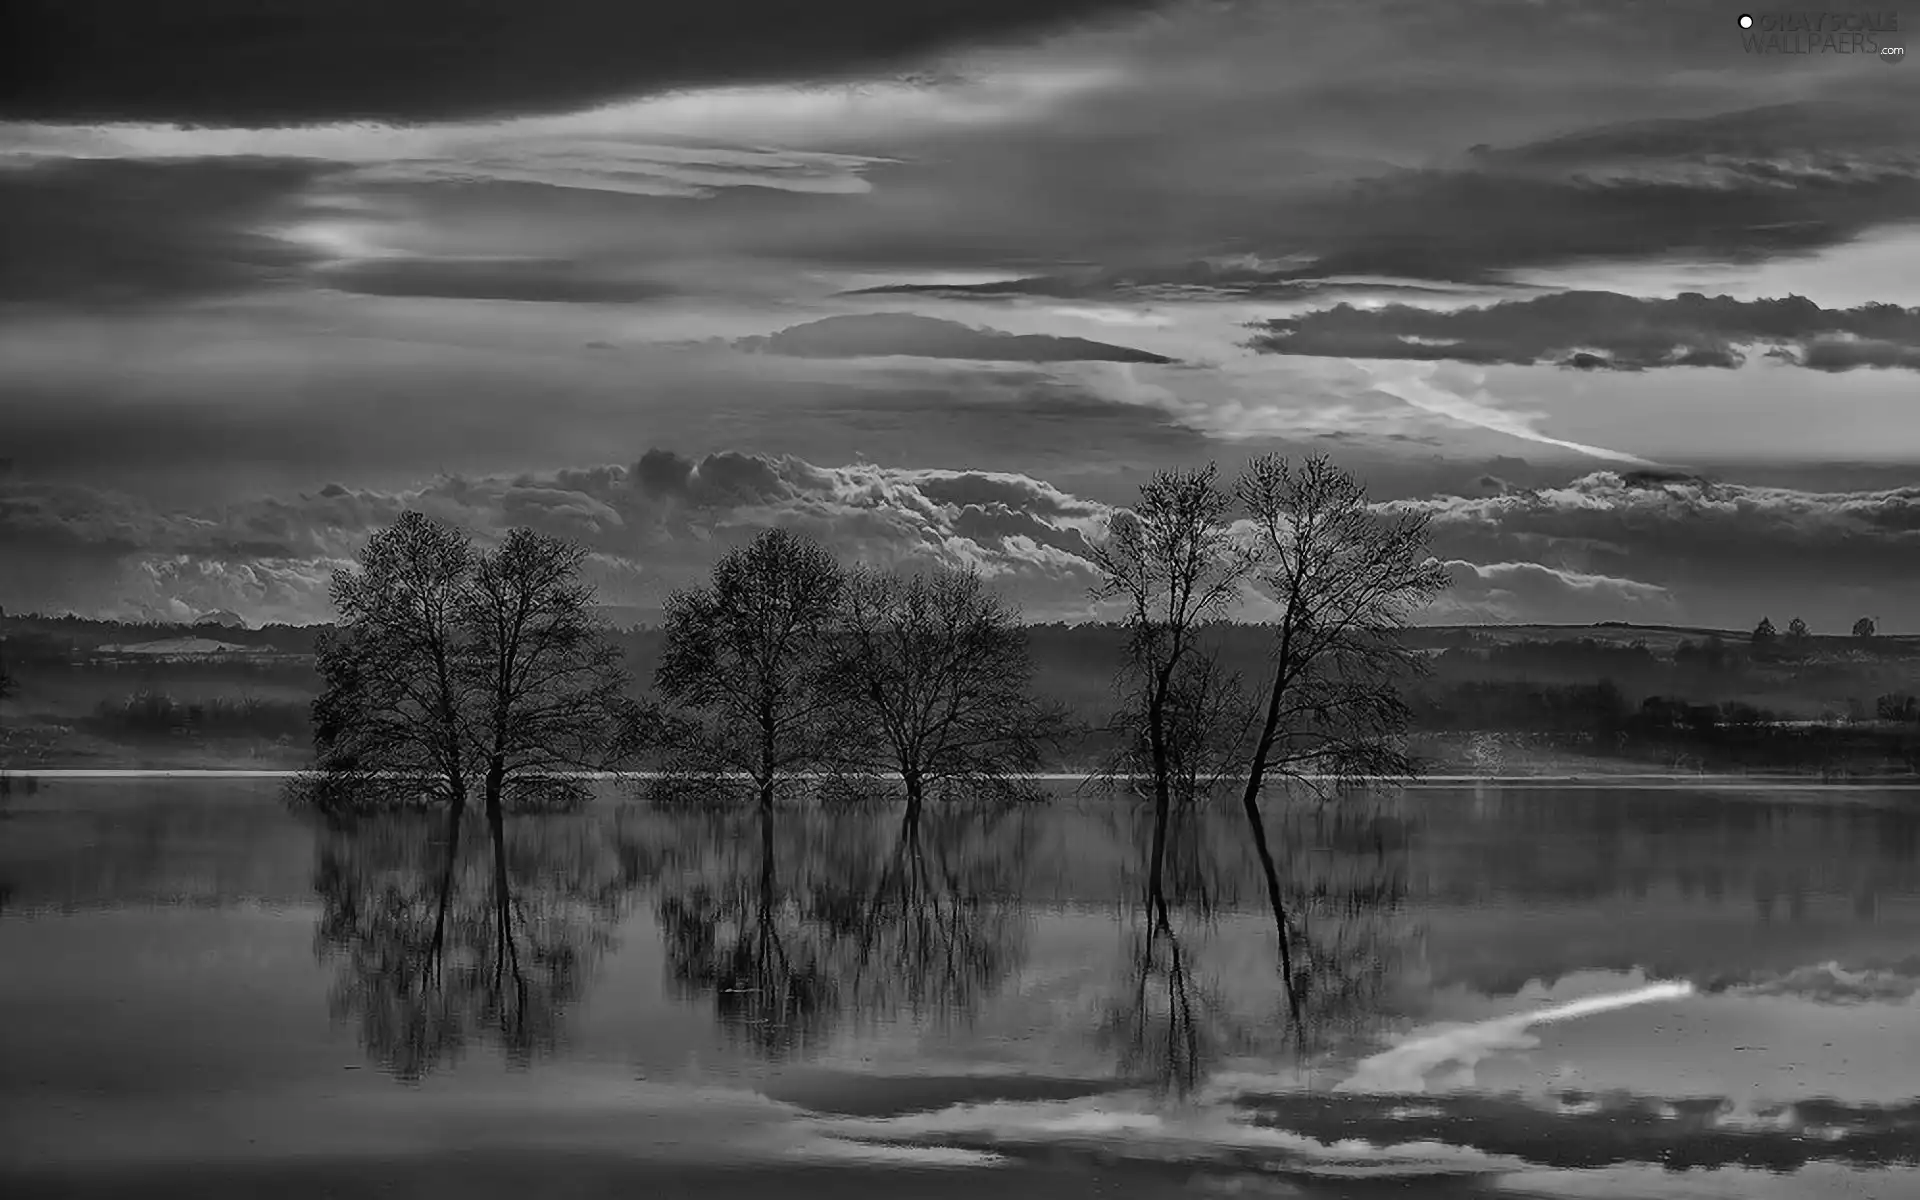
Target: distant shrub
{"x":151,"y":713}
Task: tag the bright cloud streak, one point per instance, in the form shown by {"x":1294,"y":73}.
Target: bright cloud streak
{"x":1417,"y":389}
{"x":752,"y":116}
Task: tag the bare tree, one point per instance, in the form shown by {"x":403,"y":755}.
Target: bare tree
{"x":748,"y":654}
{"x":1344,"y":580}
{"x":551,"y":686}
{"x":1174,"y":564}
{"x":390,"y":722}
{"x":452,"y":672}
{"x":936,"y":672}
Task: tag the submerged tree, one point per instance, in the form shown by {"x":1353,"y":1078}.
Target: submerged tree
{"x":392,"y":718}
{"x":1174,"y":565}
{"x":550,"y":685}
{"x":1344,"y":580}
{"x":747,"y":656}
{"x":452,"y":671}
{"x":936,"y":675}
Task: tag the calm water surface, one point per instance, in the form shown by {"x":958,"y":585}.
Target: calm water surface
{"x":1506,"y":992}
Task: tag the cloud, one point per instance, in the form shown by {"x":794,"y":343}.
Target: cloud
{"x":645,"y":148}
{"x":530,"y":279}
{"x":92,"y":60}
{"x":1764,"y":181}
{"x":1607,"y":330}
{"x":1845,"y":354}
{"x":651,"y":526}
{"x":1229,"y":277}
{"x":1520,"y":591}
{"x":1136,"y":160}
{"x":872,"y":334}
{"x":1724,"y":552}
{"x":1570,"y":1131}
{"x":1877,"y":982}
{"x":109,"y":233}
{"x":1608,"y":546}
{"x":1734,"y":187}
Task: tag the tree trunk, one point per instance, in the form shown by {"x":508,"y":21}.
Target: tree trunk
{"x":767,"y":761}
{"x":916,"y":792}
{"x":1162,"y":801}
{"x":496,"y":786}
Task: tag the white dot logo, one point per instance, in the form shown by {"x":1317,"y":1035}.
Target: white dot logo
{"x":1746,"y":22}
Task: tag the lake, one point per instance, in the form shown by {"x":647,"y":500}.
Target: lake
{"x":1504,"y":991}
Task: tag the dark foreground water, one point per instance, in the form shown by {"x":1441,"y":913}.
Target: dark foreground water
{"x":1508,"y":992}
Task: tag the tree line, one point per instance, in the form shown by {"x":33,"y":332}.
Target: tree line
{"x":457,"y":676}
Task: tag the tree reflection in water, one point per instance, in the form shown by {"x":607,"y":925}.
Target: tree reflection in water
{"x":442,"y":940}
{"x":797,"y":923}
{"x":1342,"y":873}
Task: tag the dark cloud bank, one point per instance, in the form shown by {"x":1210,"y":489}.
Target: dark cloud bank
{"x":109,"y":233}
{"x":266,"y":62}
{"x":1607,"y":330}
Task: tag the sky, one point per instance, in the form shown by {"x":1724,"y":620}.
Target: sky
{"x":1631,"y":313}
